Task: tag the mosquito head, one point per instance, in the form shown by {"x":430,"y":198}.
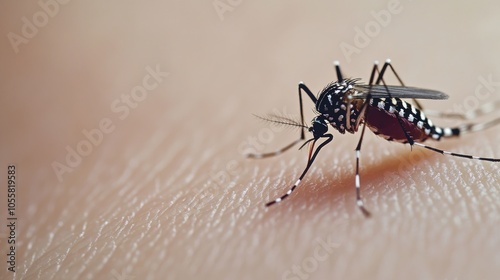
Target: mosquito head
{"x":319,"y":126}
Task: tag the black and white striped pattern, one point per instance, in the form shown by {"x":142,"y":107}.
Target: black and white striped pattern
{"x":333,"y":106}
{"x":456,"y":154}
{"x":279,"y":199}
{"x":413,"y":115}
{"x":340,"y":105}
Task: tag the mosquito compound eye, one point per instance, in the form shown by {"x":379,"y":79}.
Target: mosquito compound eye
{"x":381,"y":108}
{"x":319,"y":126}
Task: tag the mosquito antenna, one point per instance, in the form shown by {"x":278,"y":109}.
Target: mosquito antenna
{"x":282,"y":120}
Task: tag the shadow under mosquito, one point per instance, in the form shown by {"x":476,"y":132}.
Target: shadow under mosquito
{"x":320,"y":186}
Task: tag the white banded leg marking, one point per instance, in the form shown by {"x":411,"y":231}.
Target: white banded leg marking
{"x":359,"y":201}
{"x":466,"y":128}
{"x":289,"y":192}
{"x":312,"y":156}
{"x":358,"y":153}
{"x":456,"y":154}
{"x":298,"y":181}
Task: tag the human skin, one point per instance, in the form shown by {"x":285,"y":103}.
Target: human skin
{"x":166,"y":190}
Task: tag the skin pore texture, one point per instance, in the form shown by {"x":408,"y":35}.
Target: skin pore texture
{"x":128,"y":125}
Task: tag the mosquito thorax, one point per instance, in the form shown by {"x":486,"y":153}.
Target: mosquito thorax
{"x":348,"y":104}
{"x":332,"y":104}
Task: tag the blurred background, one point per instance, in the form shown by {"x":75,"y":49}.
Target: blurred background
{"x":100,"y":99}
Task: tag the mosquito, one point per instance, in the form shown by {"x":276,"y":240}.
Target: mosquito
{"x":347,"y":104}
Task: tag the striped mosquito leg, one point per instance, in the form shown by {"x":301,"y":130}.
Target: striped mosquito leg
{"x":456,"y":154}
{"x":359,"y":201}
{"x":439,"y":132}
{"x":279,"y":199}
{"x":329,"y":138}
{"x":278,"y":152}
{"x":466,"y":128}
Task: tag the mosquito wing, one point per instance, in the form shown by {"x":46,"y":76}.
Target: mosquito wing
{"x":382,"y":91}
